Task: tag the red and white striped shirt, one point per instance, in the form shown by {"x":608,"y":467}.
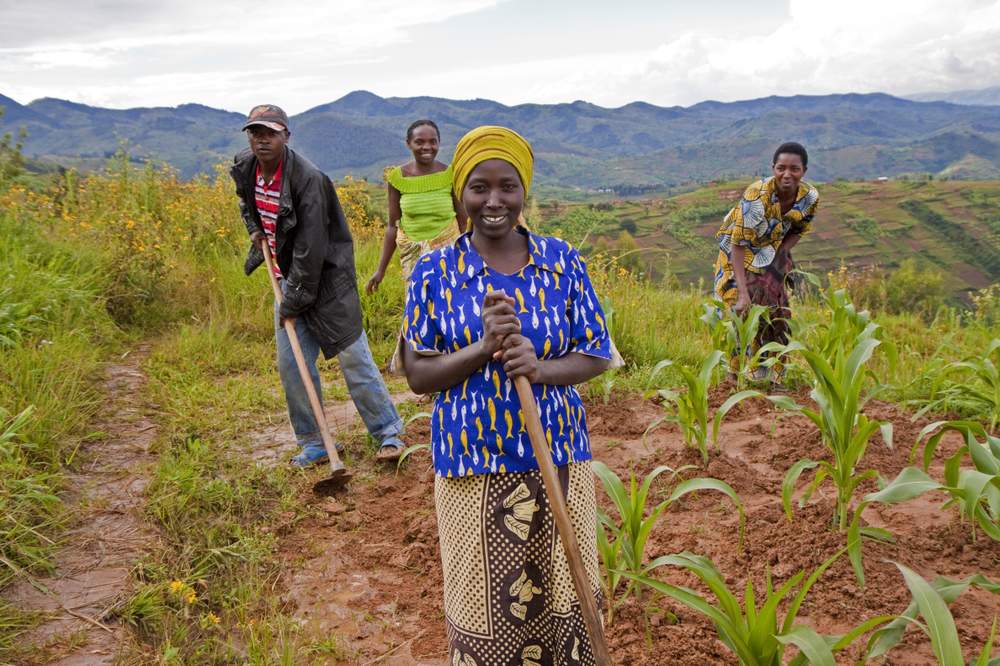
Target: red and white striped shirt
{"x":267,"y":196}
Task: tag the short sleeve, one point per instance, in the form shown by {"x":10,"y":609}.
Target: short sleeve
{"x":393,"y":176}
{"x":810,"y":205}
{"x":740,"y":225}
{"x":588,"y":328}
{"x":420,"y":329}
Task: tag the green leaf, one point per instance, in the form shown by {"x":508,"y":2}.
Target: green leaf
{"x":983,"y":458}
{"x":809,"y":643}
{"x":909,"y":483}
{"x":613,"y":487}
{"x":708,"y":365}
{"x":788,"y":483}
{"x":728,"y":625}
{"x":854,"y":545}
{"x":937,"y":618}
{"x":666,"y":363}
{"x":886,"y":638}
{"x":408,"y":451}
{"x":886,"y":429}
{"x":785,"y":402}
{"x":984,"y":657}
{"x":724,"y":408}
{"x":703,"y":483}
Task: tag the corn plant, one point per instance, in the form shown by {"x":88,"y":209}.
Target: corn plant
{"x":978,"y":393}
{"x":930,"y":602}
{"x":753,"y":629}
{"x":985,"y":455}
{"x":837,"y":382}
{"x":975,"y":491}
{"x":846,"y":323}
{"x":734,"y":334}
{"x":976,"y":494}
{"x":625,"y":550}
{"x":836,"y":358}
{"x":410,"y":450}
{"x":690,"y":410}
{"x":603,"y":387}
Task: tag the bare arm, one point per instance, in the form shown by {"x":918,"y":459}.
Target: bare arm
{"x":427,"y":374}
{"x":574,"y":368}
{"x":784,"y":251}
{"x":738,"y":256}
{"x":389,"y":242}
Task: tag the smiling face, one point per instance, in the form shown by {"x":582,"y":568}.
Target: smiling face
{"x":267,"y":145}
{"x":493,"y":198}
{"x":424,"y":142}
{"x":788,"y":171}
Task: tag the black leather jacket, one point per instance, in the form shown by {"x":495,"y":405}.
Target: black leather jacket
{"x":314,"y":249}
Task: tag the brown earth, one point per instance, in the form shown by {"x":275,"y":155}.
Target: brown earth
{"x":365,"y":568}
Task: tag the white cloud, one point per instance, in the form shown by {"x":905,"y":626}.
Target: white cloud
{"x":822,"y":47}
{"x":192,"y":50}
{"x":68,"y":57}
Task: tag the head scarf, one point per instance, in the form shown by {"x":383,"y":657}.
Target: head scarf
{"x":490,"y":142}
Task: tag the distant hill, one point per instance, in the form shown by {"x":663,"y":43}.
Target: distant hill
{"x":982,"y":96}
{"x":577,"y":145}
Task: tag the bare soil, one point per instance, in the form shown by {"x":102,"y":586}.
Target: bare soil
{"x":365,"y":568}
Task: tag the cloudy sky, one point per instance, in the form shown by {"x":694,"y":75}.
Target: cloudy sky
{"x":303,"y":53}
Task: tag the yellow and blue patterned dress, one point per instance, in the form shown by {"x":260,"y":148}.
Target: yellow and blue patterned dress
{"x":476,"y":426}
{"x":757,"y":224}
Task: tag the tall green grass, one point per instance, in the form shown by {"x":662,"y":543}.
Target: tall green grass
{"x":54,"y":333}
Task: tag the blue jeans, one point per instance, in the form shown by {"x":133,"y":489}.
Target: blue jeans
{"x":364,"y":383}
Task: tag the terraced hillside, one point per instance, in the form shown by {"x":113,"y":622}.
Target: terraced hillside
{"x":953,"y":226}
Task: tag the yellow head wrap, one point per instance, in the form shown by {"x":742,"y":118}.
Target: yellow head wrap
{"x":490,"y":142}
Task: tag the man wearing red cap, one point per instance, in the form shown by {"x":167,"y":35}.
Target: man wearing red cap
{"x":292,"y":204}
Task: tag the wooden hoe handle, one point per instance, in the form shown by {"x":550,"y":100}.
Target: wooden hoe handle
{"x":300,"y":361}
{"x":560,"y":514}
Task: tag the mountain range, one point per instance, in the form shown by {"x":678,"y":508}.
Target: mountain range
{"x":577,"y":145}
{"x":980,"y":96}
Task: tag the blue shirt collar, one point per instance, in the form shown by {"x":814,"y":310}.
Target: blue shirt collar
{"x":542,"y":252}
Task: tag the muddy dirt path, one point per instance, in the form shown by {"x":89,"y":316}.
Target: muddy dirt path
{"x":366,"y":568}
{"x":106,"y":537}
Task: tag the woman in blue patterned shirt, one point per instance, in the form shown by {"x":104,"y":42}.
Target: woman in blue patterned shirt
{"x":499,"y":303}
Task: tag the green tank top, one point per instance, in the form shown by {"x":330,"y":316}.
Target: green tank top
{"x":425,"y":202}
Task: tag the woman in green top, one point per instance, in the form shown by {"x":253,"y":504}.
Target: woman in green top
{"x":423,"y":213}
{"x":423,"y":216}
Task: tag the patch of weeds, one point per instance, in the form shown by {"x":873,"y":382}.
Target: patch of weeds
{"x":13,"y":623}
{"x":332,"y":647}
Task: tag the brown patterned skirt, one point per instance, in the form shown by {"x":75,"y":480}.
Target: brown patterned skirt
{"x":769,"y":289}
{"x":508,"y":594}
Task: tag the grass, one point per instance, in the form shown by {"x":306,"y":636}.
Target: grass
{"x":54,"y":334}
